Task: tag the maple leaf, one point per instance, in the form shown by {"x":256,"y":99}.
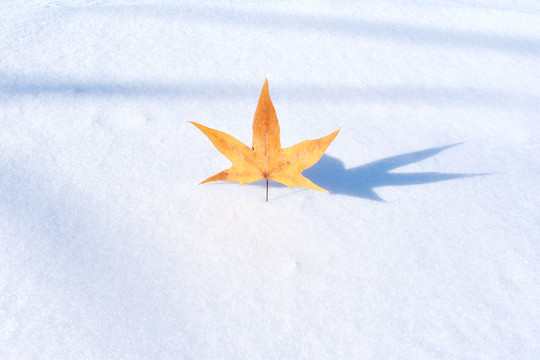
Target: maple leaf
{"x":266,"y":159}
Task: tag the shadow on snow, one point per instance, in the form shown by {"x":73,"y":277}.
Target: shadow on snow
{"x":330,"y":173}
{"x":12,"y":85}
{"x":338,"y":25}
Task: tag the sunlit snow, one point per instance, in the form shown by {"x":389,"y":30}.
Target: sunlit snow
{"x":426,"y":247}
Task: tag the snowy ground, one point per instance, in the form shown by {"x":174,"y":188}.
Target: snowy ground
{"x":110,"y":249}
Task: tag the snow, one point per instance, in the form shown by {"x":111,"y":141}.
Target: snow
{"x":427,"y":247}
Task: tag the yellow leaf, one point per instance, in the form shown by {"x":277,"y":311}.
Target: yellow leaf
{"x":266,"y":159}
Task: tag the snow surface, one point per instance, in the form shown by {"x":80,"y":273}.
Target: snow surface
{"x":427,"y":247}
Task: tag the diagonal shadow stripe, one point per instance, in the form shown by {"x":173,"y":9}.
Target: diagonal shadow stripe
{"x":343,"y":26}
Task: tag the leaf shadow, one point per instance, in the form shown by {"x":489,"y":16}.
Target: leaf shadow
{"x":361,"y":181}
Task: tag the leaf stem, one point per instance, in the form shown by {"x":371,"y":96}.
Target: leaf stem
{"x":266,"y":189}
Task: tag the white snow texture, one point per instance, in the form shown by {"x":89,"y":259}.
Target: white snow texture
{"x":427,"y":245}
